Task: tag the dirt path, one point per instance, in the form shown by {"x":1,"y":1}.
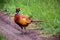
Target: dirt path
{"x":12,"y":31}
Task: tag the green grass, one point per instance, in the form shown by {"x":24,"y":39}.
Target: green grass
{"x":48,"y":10}
{"x":2,"y":37}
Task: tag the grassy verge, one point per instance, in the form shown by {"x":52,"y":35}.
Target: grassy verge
{"x":2,"y":37}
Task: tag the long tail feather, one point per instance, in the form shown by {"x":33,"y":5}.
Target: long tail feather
{"x":37,"y":21}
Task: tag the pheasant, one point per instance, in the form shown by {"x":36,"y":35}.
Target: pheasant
{"x":23,"y":21}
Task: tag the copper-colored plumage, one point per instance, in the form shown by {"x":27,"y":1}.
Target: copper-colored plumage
{"x":21,"y":19}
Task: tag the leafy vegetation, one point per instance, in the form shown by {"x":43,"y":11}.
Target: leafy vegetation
{"x":48,"y":10}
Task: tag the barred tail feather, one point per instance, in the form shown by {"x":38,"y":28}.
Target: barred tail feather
{"x":37,"y":21}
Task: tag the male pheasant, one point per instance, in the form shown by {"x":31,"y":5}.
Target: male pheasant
{"x":22,"y":21}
